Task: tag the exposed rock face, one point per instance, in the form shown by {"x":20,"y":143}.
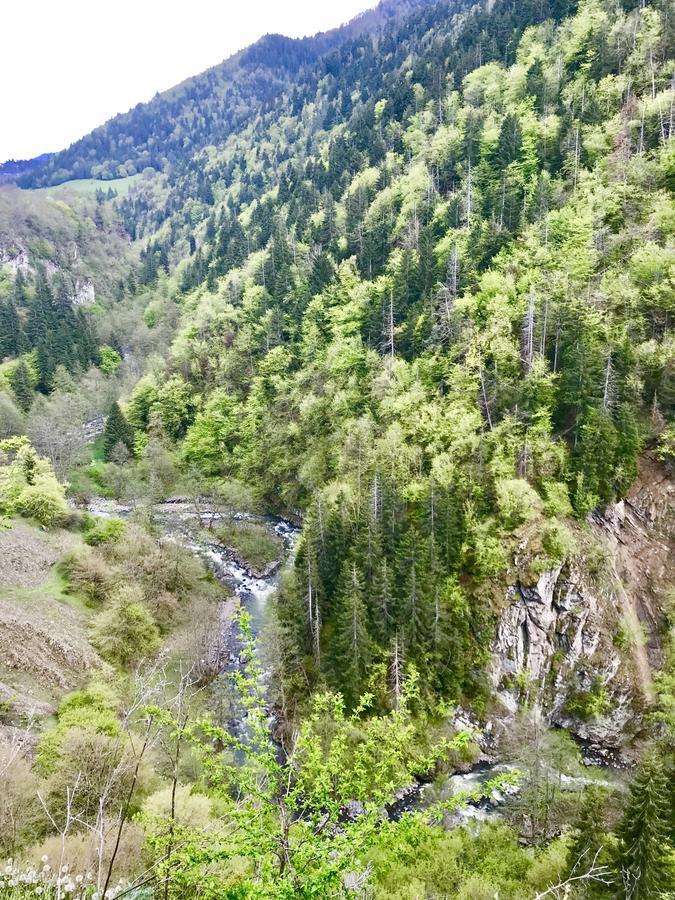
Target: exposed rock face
{"x":574,"y":635}
{"x":17,"y":261}
{"x":84,"y":293}
{"x":554,"y":640}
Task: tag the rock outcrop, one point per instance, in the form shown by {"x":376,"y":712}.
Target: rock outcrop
{"x":582,"y":640}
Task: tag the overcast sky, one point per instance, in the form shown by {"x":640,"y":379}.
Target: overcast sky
{"x":68,"y":65}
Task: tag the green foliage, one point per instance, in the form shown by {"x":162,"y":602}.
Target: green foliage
{"x":286,"y":829}
{"x":591,"y":704}
{"x":430,"y":317}
{"x":646,"y":859}
{"x":517,"y":502}
{"x":22,"y":386}
{"x":28,"y":485}
{"x":212,"y":436}
{"x":110,"y":360}
{"x":125,"y":633}
{"x":104,"y":530}
{"x":118,"y":432}
{"x":422,"y":296}
{"x":93,"y":709}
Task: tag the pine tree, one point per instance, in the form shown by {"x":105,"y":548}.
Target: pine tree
{"x":117,"y":431}
{"x":9,"y":329}
{"x":350,"y":649}
{"x":645,"y":869}
{"x":590,"y":840}
{"x":21,"y":386}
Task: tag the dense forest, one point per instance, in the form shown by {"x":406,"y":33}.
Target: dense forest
{"x":409,"y":286}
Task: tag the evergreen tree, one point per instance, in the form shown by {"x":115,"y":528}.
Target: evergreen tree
{"x":590,"y":841}
{"x":9,"y":329}
{"x":646,"y":855}
{"x":21,"y":386}
{"x":350,"y":647}
{"x":117,"y":431}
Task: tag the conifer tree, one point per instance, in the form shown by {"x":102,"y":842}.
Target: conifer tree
{"x":117,"y":431}
{"x":645,"y":854}
{"x":350,"y":649}
{"x":590,"y":840}
{"x":21,"y":385}
{"x":9,"y":329}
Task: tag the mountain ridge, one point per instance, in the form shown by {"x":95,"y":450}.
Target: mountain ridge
{"x":271,"y":52}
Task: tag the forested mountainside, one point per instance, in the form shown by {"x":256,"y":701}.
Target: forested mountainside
{"x":200,"y":112}
{"x":410,"y":285}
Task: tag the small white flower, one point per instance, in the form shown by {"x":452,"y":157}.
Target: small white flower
{"x":45,"y":859}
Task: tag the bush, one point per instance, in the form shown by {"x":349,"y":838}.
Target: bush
{"x":591,"y":704}
{"x":44,"y":501}
{"x":28,"y":484}
{"x":87,"y":573}
{"x":558,"y":541}
{"x":104,"y":531}
{"x":517,"y":502}
{"x":93,"y":709}
{"x":125,"y":633}
{"x":556,"y":499}
{"x":191,"y":810}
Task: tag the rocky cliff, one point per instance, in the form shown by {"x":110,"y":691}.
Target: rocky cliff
{"x":581,"y":641}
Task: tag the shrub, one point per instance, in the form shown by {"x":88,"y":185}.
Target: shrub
{"x":556,"y":499}
{"x":28,"y":484}
{"x":93,"y":709}
{"x":591,"y":704}
{"x":517,"y":502}
{"x":44,"y":501}
{"x":125,"y":632}
{"x":192,"y":810}
{"x":558,"y":541}
{"x":87,"y":573}
{"x":103,"y":531}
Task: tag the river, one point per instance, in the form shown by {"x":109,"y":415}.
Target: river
{"x":190,"y":525}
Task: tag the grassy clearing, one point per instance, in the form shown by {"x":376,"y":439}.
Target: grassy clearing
{"x":254,"y":543}
{"x":55,"y":587}
{"x":89,"y":186}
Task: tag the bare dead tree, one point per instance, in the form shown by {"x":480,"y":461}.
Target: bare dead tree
{"x":609,"y":389}
{"x":396,"y":672}
{"x":443,"y":313}
{"x":68,"y":821}
{"x":582,"y":871}
{"x":527,"y":337}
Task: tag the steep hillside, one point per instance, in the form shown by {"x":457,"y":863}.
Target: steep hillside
{"x":404,"y":292}
{"x":203,"y":110}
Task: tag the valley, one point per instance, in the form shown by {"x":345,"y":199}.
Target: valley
{"x":337,"y":471}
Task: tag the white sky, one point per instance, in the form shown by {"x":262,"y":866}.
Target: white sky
{"x":67,"y":66}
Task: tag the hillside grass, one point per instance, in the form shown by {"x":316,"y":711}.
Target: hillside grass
{"x":55,"y":587}
{"x":89,"y":186}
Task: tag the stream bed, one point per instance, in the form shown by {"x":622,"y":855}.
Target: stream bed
{"x":190,"y":525}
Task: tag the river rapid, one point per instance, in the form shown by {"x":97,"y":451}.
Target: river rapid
{"x":191,"y":526}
